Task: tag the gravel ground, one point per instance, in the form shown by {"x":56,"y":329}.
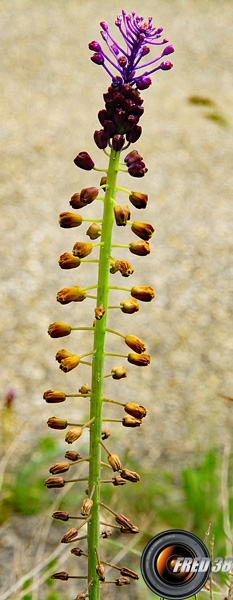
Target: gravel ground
{"x":51,"y":93}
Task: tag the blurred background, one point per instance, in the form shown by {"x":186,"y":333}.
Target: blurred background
{"x":51,"y":93}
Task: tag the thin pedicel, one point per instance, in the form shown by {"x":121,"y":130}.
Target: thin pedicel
{"x":129,"y":72}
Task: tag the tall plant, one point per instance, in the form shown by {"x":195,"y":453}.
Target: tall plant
{"x":120,"y":128}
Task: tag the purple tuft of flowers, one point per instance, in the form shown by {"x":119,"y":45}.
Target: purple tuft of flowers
{"x":137,"y":36}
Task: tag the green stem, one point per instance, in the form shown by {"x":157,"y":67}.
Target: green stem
{"x":98,"y":373}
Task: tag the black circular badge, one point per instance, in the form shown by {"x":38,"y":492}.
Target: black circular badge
{"x":172,"y":550}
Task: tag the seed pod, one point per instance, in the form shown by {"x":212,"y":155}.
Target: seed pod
{"x":84,"y":161}
{"x":69,"y":363}
{"x":132,"y":157}
{"x":135,"y":343}
{"x":105,"y":433}
{"x":60,"y":467}
{"x":135,"y":410}
{"x":68,"y":261}
{"x":131,"y":422}
{"x":73,"y":294}
{"x":94,"y":231}
{"x":52,"y":397}
{"x":82,"y":249}
{"x":129,"y":306}
{"x":54,"y":482}
{"x":86,"y":507}
{"x":77,"y":551}
{"x":63,"y":576}
{"x":72,"y":455}
{"x":141,"y":360}
{"x":76,"y":202}
{"x":122,"y":581}
{"x":61,"y":515}
{"x":124,"y":521}
{"x":130,"y":475}
{"x":56,"y":423}
{"x":100,"y":572}
{"x":99,"y":312}
{"x":68,"y":219}
{"x":122,"y":215}
{"x":138,"y":200}
{"x":103,"y":181}
{"x":143,"y":293}
{"x":143,"y":230}
{"x":114,"y":462}
{"x":124,"y":267}
{"x":73,"y":435}
{"x":118,"y":480}
{"x":139,"y":248}
{"x":56,"y":330}
{"x":69,"y":535}
{"x":119,"y":372}
{"x":85,"y":388}
{"x":106,"y":533}
{"x":113,"y":266}
{"x":63,"y":353}
{"x":128,"y":573}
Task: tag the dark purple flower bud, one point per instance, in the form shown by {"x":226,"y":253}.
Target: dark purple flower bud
{"x":132,"y":157}
{"x":104,"y":25}
{"x":165,"y":40}
{"x":145,"y":50}
{"x":128,"y":105}
{"x":137,"y":169}
{"x":110,"y":105}
{"x":97,"y":58}
{"x":94,"y":46}
{"x":143,"y":83}
{"x":103,"y":115}
{"x":109,"y":129}
{"x":118,"y":142}
{"x":134,"y":134}
{"x":122,"y":60}
{"x":160,"y":29}
{"x":100,"y":139}
{"x":168,"y":50}
{"x":165,"y":66}
{"x":84,"y":161}
{"x":130,"y":122}
{"x":138,"y":110}
{"x":118,"y":98}
{"x":119,"y":116}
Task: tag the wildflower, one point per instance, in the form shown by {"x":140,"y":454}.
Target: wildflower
{"x":135,"y":410}
{"x":124,"y":521}
{"x":61,"y":515}
{"x":62,"y":354}
{"x":132,"y":157}
{"x":131,"y":422}
{"x":69,"y":535}
{"x":141,"y":360}
{"x":139,"y":248}
{"x":77,"y":551}
{"x":138,"y":200}
{"x":129,"y":306}
{"x":69,"y":363}
{"x":122,"y":215}
{"x":122,"y":581}
{"x":85,"y":388}
{"x":82,"y":249}
{"x":72,"y":455}
{"x":143,"y":293}
{"x":143,"y":230}
{"x":57,"y":330}
{"x":99,"y":312}
{"x":73,"y":294}
{"x":54,"y":482}
{"x":84,"y":161}
{"x":86,"y":506}
{"x":73,"y":435}
{"x":68,"y":219}
{"x":76,"y":202}
{"x":101,"y":139}
{"x":135,"y":343}
{"x":118,"y":480}
{"x":100,"y":572}
{"x":118,"y":142}
{"x":56,"y":423}
{"x":119,"y":372}
{"x":68,"y":261}
{"x":63,"y":576}
{"x":87,"y":195}
{"x":61,"y":467}
{"x":94,"y":231}
{"x":52,"y":397}
{"x":130,"y":476}
{"x":105,"y":433}
{"x":114,"y":462}
{"x":124,"y":267}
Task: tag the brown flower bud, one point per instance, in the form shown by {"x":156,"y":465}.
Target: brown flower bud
{"x":124,"y":267}
{"x":69,"y":535}
{"x":87,"y":195}
{"x":141,"y":360}
{"x":119,"y":372}
{"x":135,"y":410}
{"x":94,"y":231}
{"x":68,"y":219}
{"x":68,"y":261}
{"x":61,"y":354}
{"x":143,"y":230}
{"x":69,"y":363}
{"x":73,"y":435}
{"x":99,"y":312}
{"x":103,"y":181}
{"x":114,"y":462}
{"x":118,"y":480}
{"x":131,"y":422}
{"x":140,"y":248}
{"x":105,"y":433}
{"x":132,"y":157}
{"x":82,"y":249}
{"x":122,"y":215}
{"x":122,"y":581}
{"x":52,"y":397}
{"x":76,"y":202}
{"x":60,"y":467}
{"x":113,"y":266}
{"x":63,"y":576}
{"x":130,"y":475}
{"x":135,"y":343}
{"x":61,"y":515}
{"x":54,"y":482}
{"x":73,"y":294}
{"x":129,"y":306}
{"x":56,"y":330}
{"x":124,"y":521}
{"x":100,"y":572}
{"x":128,"y":573}
{"x":84,"y":161}
{"x":72,"y":455}
{"x":125,"y":530}
{"x":144,"y":293}
{"x":77,"y":551}
{"x":138,"y":200}
{"x":56,"y":423}
{"x":85,"y":388}
{"x":86,"y":507}
{"x":106,"y":533}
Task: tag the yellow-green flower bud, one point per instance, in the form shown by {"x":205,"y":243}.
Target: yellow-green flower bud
{"x":143,"y":230}
{"x":124,"y":267}
{"x":140,"y":248}
{"x":69,"y":363}
{"x":135,"y":343}
{"x":52,"y":397}
{"x":141,"y":360}
{"x":129,"y":306}
{"x":119,"y":372}
{"x":131,"y":421}
{"x":73,"y":294}
{"x":144,"y":293}
{"x":94,"y":231}
{"x":135,"y":410}
{"x":68,"y":261}
{"x":57,"y":330}
{"x":138,"y":200}
{"x":68,"y":219}
{"x":82,"y":249}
